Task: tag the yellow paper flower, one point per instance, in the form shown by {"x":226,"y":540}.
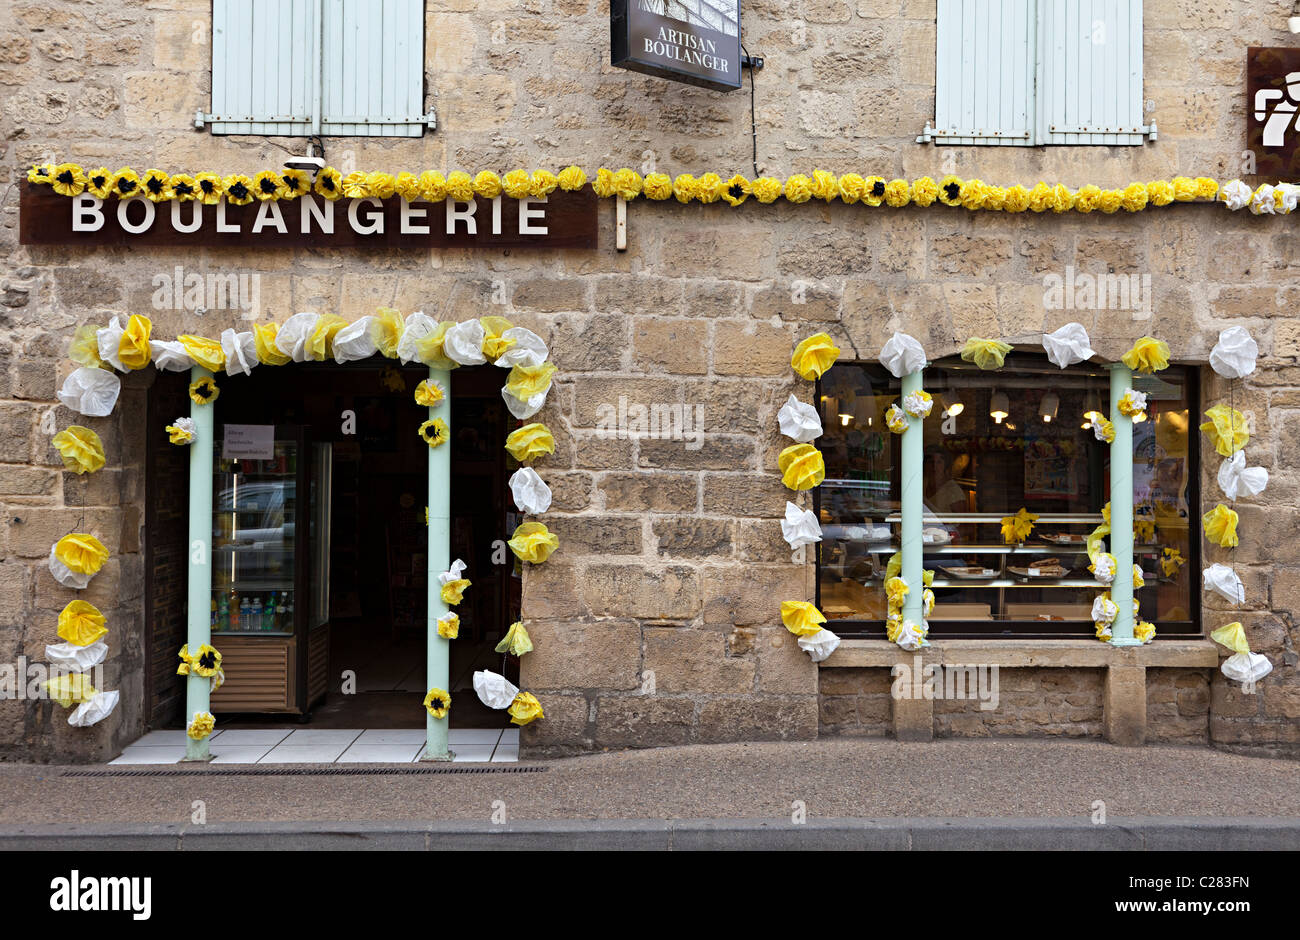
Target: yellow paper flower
{"x":125,"y":183}
{"x":453,"y":592}
{"x":133,"y":347}
{"x":432,"y":348}
{"x":434,"y":432}
{"x":1111,"y":200}
{"x":896,"y":420}
{"x":460,"y":186}
{"x":802,"y":467}
{"x":1171,"y":561}
{"x":603,"y":184}
{"x":268,"y":185}
{"x":449,"y":626}
{"x":995,"y":199}
{"x":182,"y":432}
{"x":1220,"y":525}
{"x":99,"y":182}
{"x":156,"y":186}
{"x":210,"y":188}
{"x":1102,"y":428}
{"x":925,"y":191}
{"x":206,"y":662}
{"x":766,"y":189}
{"x":530,"y":442}
{"x":1206,"y":188}
{"x":68,"y":179}
{"x":524,"y":708}
{"x":1233,"y":636}
{"x":42,"y":174}
{"x":709,"y":188}
{"x":950,"y":190}
{"x":294,"y":183}
{"x":516,"y":184}
{"x":627,"y":184}
{"x":81,"y":449}
{"x":267,"y":352}
{"x":381,"y":184}
{"x":801,"y":618}
{"x":572,"y":178}
{"x":1087,"y":198}
{"x":526,"y":381}
{"x":70,"y":689}
{"x":1040,"y":197}
{"x":433,"y":186}
{"x":487,"y":185}
{"x":355,"y":185}
{"x":542,"y":183}
{"x":206,"y":352}
{"x":1015,"y":529}
{"x":1226,"y":429}
{"x":201,"y":725}
{"x":238,"y":189}
{"x":1134,"y":198}
{"x":81,"y":552}
{"x":852,"y":187}
{"x":516,"y":642}
{"x":685,"y":187}
{"x":320,"y":345}
{"x":1095,"y":539}
{"x":657,"y":186}
{"x":1139,"y":581}
{"x":81,"y":623}
{"x":386,"y":331}
{"x":533,"y":542}
{"x":329,"y":184}
{"x":825,"y":186}
{"x":84,"y":347}
{"x":897,"y":193}
{"x":798,"y":188}
{"x":973,"y":193}
{"x":873,"y":193}
{"x":896,"y":591}
{"x":1147,"y":355}
{"x":1131,"y":405}
{"x":1062,"y":198}
{"x":1184,"y":188}
{"x":737,"y":190}
{"x":493,"y":342}
{"x":428,"y":393}
{"x":184,"y":189}
{"x":814,"y":355}
{"x":1017,"y":199}
{"x":407,"y":185}
{"x":1160,"y":192}
{"x":1144,"y":630}
{"x":204,"y":391}
{"x":985,"y":353}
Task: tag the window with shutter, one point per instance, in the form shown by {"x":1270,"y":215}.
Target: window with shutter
{"x":303,"y":67}
{"x":1034,"y":72}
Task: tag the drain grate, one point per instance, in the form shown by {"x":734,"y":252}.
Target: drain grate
{"x":280,"y":771}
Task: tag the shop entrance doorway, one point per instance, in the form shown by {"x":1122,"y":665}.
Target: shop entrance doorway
{"x":319,"y":564}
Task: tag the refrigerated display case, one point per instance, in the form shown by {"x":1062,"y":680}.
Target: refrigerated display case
{"x":270,"y":578}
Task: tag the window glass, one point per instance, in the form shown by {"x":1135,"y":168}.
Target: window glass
{"x":997,"y":443}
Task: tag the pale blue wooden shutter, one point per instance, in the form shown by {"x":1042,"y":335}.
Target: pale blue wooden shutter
{"x":1090,"y":91}
{"x":332,"y":67}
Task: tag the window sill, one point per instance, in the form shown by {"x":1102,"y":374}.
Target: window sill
{"x":1011,"y":654}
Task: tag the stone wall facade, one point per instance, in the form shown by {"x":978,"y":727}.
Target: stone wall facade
{"x":658,"y":620}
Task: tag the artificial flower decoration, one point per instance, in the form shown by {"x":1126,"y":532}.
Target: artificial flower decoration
{"x":201,"y":725}
{"x":852,"y":188}
{"x":1220,"y":525}
{"x":896,"y":591}
{"x":1139,"y":579}
{"x":1234,"y":355}
{"x":1147,"y":355}
{"x":898,"y":193}
{"x":908,"y":635}
{"x":657,"y":186}
{"x":525,"y":708}
{"x":516,"y":642}
{"x":133,"y":348}
{"x":1103,"y":567}
{"x":319,"y":343}
{"x":736,"y":190}
{"x":1235,"y":195}
{"x":571,"y":178}
{"x":800,"y":526}
{"x":428,"y":393}
{"x":84,"y":347}
{"x":1102,"y":428}
{"x":950,"y":190}
{"x":799,"y":421}
{"x":530,"y":492}
{"x":1222,"y":580}
{"x":437,"y":703}
{"x":1235,"y":478}
{"x":81,"y":449}
{"x":70,"y":689}
{"x":902,"y":355}
{"x":985,"y":353}
{"x":495,"y":338}
{"x":516,"y":184}
{"x":802,"y":467}
{"x":42,"y":174}
{"x":896,"y":419}
{"x":814,"y":355}
{"x":209,"y":188}
{"x":386,"y":331}
{"x":801,"y":618}
{"x":533,"y":542}
{"x":1226,"y":429}
{"x":156,"y":186}
{"x":526,"y":381}
{"x":1171,"y":560}
{"x":81,"y":623}
{"x":918,"y":404}
{"x":205,"y":352}
{"x":354,"y":185}
{"x":449,"y":626}
{"x":268,"y":353}
{"x":1133,"y":404}
{"x":1233,"y":636}
{"x":825,"y":186}
{"x":766,"y":189}
{"x":1144,"y":630}
{"x":1104,"y":610}
{"x":434,"y":432}
{"x":798,"y":188}
{"x":99,"y":183}
{"x":125,"y":183}
{"x":530,"y":442}
{"x":603,"y":184}
{"x":407,"y":186}
{"x":924,"y":191}
{"x":383,"y":185}
{"x":68,"y":179}
{"x":81,"y":553}
{"x":204,"y":391}
{"x":1068,"y":344}
{"x":453,"y":591}
{"x":1015,"y":529}
{"x":329,"y":183}
{"x":238,"y":189}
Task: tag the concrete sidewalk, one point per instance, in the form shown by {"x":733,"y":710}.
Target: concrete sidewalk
{"x":853,"y":792}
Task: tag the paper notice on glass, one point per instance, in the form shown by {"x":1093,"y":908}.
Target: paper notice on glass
{"x":248,"y":442}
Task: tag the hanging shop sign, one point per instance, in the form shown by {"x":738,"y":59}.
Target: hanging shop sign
{"x":1273,"y":111}
{"x":560,"y":220}
{"x":248,"y":442}
{"x":691,"y":41}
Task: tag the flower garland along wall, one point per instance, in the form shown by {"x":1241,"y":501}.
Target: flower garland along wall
{"x":802,"y":468}
{"x":70,"y":179}
{"x":93,"y":388}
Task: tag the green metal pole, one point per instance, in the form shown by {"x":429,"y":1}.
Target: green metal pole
{"x":198,"y":629}
{"x":438,"y":653}
{"x":912,"y":506}
{"x":1121,"y":509}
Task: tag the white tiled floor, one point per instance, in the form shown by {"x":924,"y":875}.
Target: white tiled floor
{"x":325,"y":746}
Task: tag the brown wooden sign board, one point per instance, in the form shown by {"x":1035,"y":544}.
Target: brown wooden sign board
{"x":1273,"y":112}
{"x":563,"y":220}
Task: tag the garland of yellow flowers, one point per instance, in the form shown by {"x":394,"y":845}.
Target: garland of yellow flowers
{"x":70,"y":179}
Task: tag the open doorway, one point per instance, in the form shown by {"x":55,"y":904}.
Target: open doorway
{"x":350,"y":513}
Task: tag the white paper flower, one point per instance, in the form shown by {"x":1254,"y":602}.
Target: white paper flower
{"x":453,"y":573}
{"x":76,"y":658}
{"x":896,"y":419}
{"x":91,"y":392}
{"x":1068,"y":345}
{"x":1235,"y":195}
{"x":1222,"y":580}
{"x":1233,"y":356}
{"x":1104,"y":610}
{"x":523,"y":409}
{"x":493,"y":690}
{"x":109,"y":339}
{"x":240,"y":350}
{"x":417,"y":327}
{"x":530,"y":491}
{"x":528,"y":350}
{"x":99,"y":707}
{"x":1104,"y":568}
{"x":799,"y":421}
{"x":800,"y":526}
{"x":1261,"y":203}
{"x":902,"y":355}
{"x":355,"y":341}
{"x":918,"y":404}
{"x":188,"y":427}
{"x":293,"y":336}
{"x":169,"y":356}
{"x":65,"y":575}
{"x":1246,"y":667}
{"x":1237,"y":479}
{"x":464,"y":343}
{"x":1133,"y":401}
{"x":911,"y":637}
{"x":820,"y":645}
{"x":1287,"y":197}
